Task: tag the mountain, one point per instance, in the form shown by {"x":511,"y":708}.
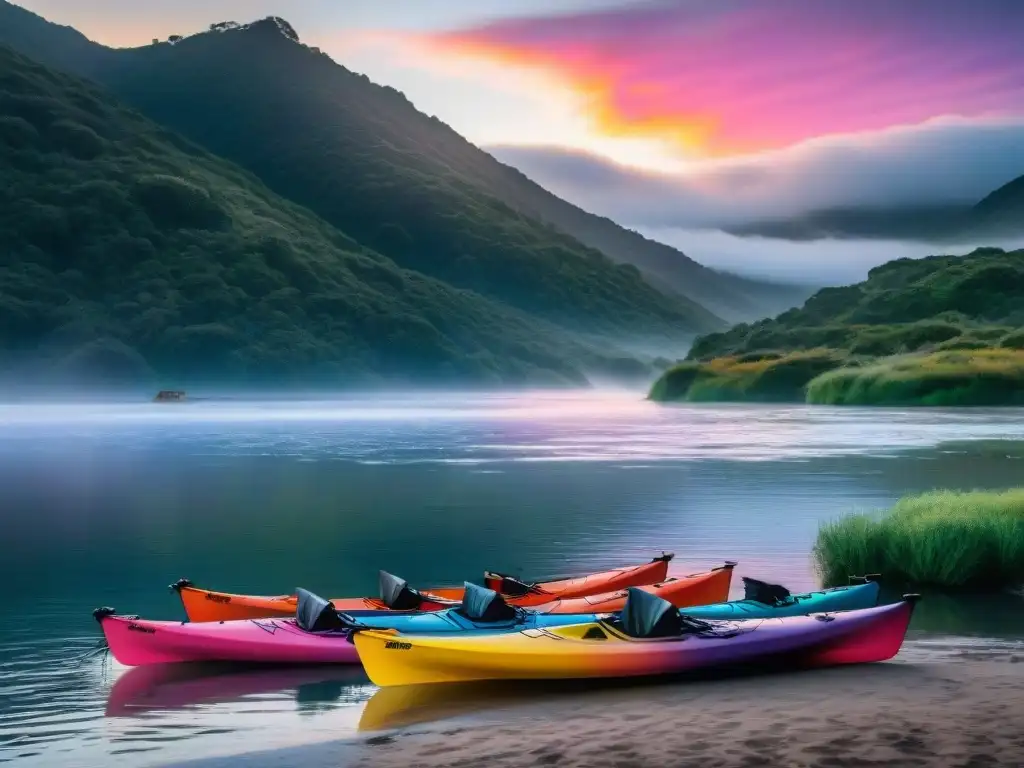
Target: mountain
{"x":944,"y":330}
{"x":128,"y":253}
{"x":999,"y":215}
{"x":904,"y":305}
{"x":367,"y":161}
{"x":1003,"y":209}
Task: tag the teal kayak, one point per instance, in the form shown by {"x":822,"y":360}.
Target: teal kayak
{"x":770,"y":601}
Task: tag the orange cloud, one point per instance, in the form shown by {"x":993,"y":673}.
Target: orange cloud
{"x":741,"y":76}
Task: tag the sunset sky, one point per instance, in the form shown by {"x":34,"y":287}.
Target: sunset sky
{"x":674,"y":115}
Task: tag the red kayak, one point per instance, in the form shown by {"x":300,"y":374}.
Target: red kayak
{"x":208,"y":605}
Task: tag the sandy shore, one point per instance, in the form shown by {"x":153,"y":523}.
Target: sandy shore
{"x":967,"y":712}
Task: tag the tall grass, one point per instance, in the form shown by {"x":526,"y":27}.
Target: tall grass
{"x":942,"y":539}
{"x":952,"y":377}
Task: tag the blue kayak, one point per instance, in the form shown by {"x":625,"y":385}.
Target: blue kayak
{"x":492,"y":614}
{"x":770,"y":601}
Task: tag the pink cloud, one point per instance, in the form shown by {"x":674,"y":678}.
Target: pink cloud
{"x":731,"y":76}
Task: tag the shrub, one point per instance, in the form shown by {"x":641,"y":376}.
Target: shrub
{"x":172,"y":203}
{"x":982,"y":377}
{"x":1014,"y":340}
{"x":765,"y":379}
{"x":942,"y":539}
{"x":75,"y":139}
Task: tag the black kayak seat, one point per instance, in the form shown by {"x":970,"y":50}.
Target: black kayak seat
{"x":397,"y":595}
{"x":315,"y":614}
{"x":763,"y":592}
{"x":646,"y":615}
{"x":485,"y":605}
{"x":513,"y":587}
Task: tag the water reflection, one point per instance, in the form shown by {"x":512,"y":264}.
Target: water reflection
{"x":166,"y":687}
{"x":999,"y":616}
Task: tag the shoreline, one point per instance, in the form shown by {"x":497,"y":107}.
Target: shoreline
{"x":962,"y":712}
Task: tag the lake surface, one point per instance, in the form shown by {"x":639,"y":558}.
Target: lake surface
{"x":107,"y":503}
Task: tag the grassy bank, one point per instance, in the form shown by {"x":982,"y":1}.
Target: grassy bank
{"x":952,"y":377}
{"x":949,"y":377}
{"x":941,"y":539}
{"x":751,"y":378}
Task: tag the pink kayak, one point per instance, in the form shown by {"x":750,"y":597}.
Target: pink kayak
{"x":135,"y":641}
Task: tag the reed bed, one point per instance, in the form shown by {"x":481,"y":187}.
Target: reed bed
{"x":944,"y":539}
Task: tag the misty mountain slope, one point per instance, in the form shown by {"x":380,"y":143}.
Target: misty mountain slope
{"x":999,"y":215}
{"x":904,"y":305}
{"x":125,"y":249}
{"x":939,"y":223}
{"x":1003,"y":209}
{"x":361,"y":156}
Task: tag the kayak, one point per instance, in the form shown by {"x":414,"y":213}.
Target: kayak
{"x":650,"y":638}
{"x":767,"y":601}
{"x":682,"y":592}
{"x":756,"y":606}
{"x":580,"y":586}
{"x":316,"y":634}
{"x":208,"y":605}
{"x":134,"y":642}
{"x":323,"y":635}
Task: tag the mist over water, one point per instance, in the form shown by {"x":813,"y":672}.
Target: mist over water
{"x":105,"y":503}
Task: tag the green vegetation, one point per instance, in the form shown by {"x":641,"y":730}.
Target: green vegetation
{"x":362,"y":158}
{"x":903,"y":306}
{"x":128,"y":252}
{"x":943,"y":539}
{"x":402,"y":182}
{"x":959,"y":377}
{"x":756,"y":378}
{"x":938,"y":331}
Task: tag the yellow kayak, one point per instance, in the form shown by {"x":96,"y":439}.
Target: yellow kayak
{"x":651,"y":638}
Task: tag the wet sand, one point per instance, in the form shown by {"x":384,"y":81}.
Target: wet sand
{"x":966,"y":712}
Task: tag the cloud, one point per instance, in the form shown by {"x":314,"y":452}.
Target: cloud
{"x":735,"y":77}
{"x":821,"y":262}
{"x":941,"y":162}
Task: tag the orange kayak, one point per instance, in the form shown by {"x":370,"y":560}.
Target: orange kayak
{"x":208,"y":605}
{"x":682,"y":592}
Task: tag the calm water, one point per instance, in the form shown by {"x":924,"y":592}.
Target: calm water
{"x":106,"y":504}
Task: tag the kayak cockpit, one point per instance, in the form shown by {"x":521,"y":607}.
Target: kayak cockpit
{"x":773,"y":595}
{"x":645,"y":616}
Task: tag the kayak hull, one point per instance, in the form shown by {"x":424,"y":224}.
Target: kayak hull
{"x":867,"y":635}
{"x":849,"y":598}
{"x":203,"y":605}
{"x":138,"y":642}
{"x":135,"y":642}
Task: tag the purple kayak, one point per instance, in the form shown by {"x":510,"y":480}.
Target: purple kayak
{"x":650,"y":637}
